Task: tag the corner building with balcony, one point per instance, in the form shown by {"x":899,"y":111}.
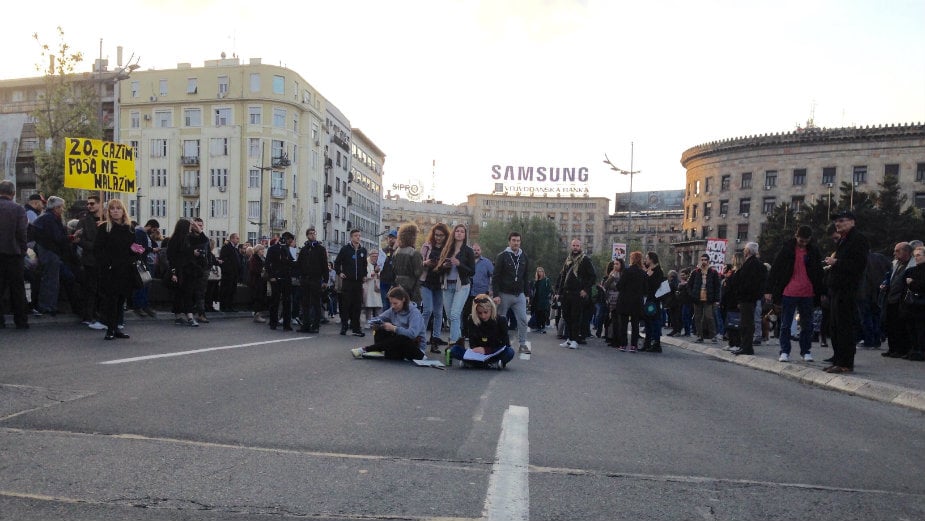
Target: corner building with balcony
{"x":731,"y":185}
{"x":252,"y":149}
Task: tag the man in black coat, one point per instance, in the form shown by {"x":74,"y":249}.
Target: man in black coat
{"x":703,"y":288}
{"x":13,"y":226}
{"x":231,"y":272}
{"x":279,"y":264}
{"x":846,"y":269}
{"x":313,"y":269}
{"x":574,"y":288}
{"x":352,"y":267}
{"x":747,"y":287}
{"x":795,"y":283}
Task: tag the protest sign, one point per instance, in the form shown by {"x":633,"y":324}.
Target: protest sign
{"x":619,"y":251}
{"x":92,"y":164}
{"x":716,"y":250}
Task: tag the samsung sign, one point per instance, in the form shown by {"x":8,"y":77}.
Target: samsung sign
{"x":540,"y":179}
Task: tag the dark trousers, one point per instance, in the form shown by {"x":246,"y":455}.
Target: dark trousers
{"x":11,"y":277}
{"x":395,"y":346}
{"x":897,"y":330}
{"x":184,"y":295}
{"x":111,"y":308}
{"x":92,"y":299}
{"x":226,"y":293}
{"x":843,"y":319}
{"x":747,"y":327}
{"x":351,"y":304}
{"x":281,"y":295}
{"x":311,"y":303}
{"x":573,"y":306}
{"x":619,"y":333}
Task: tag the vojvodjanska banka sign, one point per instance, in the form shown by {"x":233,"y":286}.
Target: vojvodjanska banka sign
{"x":540,"y":179}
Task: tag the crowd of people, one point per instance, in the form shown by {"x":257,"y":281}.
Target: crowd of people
{"x":402,"y":291}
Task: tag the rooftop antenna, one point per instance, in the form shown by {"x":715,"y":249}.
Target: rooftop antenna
{"x":433,"y":180}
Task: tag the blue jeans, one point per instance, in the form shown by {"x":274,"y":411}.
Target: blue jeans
{"x":51,"y":280}
{"x":654,"y":326}
{"x":687,"y":318}
{"x":789,"y":305}
{"x":384,"y":288}
{"x":432,"y":302}
{"x":453,"y":302}
{"x":505,"y":356}
{"x":870,"y":322}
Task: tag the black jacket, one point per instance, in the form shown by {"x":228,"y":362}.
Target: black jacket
{"x":115,"y":258}
{"x":782,"y":269}
{"x":352,"y":262}
{"x":490,"y":334}
{"x":279,"y":262}
{"x":632,"y":288}
{"x":695,"y":282}
{"x":510,"y":273}
{"x":231,"y":264}
{"x":466,"y":265}
{"x":574,"y":281}
{"x":747,"y":284}
{"x":313,"y":262}
{"x":845,"y":275}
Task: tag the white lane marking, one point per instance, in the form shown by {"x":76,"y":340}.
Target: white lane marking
{"x":508,"y":496}
{"x":197,"y":351}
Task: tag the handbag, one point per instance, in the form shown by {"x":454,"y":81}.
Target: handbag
{"x":650,"y":309}
{"x":215,"y":273}
{"x":142,"y":275}
{"x":912,"y":298}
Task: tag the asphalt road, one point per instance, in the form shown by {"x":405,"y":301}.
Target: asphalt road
{"x":282,"y":425}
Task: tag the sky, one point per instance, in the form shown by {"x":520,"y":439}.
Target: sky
{"x":448,"y":88}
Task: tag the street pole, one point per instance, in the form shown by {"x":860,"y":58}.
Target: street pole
{"x":830,"y":201}
{"x":630,"y":173}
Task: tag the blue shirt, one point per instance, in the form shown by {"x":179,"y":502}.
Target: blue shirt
{"x":481,"y":279}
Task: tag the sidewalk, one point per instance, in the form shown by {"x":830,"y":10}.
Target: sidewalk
{"x":890,"y":380}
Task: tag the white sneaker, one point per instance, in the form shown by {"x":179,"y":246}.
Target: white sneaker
{"x":808,"y":357}
{"x":96,"y":324}
{"x":572,"y":344}
{"x":357,"y":352}
{"x":567,"y":343}
{"x":784,"y":357}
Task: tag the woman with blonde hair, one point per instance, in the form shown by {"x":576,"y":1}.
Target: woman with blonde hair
{"x":431,"y":282}
{"x":489,"y":343}
{"x":116,"y":262}
{"x":458,"y":262}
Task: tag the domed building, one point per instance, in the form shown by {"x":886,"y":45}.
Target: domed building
{"x":731,"y":185}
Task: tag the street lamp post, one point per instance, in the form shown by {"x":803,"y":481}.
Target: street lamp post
{"x":630,"y":173}
{"x":262,"y":168}
{"x":830,"y":198}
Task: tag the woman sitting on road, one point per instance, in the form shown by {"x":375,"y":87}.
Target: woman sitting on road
{"x":487,"y":336}
{"x":398,"y":331}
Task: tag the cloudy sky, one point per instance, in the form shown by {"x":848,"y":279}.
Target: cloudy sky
{"x":471,"y":84}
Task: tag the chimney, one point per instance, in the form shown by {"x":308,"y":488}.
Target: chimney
{"x":51,"y":64}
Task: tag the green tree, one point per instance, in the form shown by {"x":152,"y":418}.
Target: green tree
{"x":69,"y":107}
{"x":889,"y":223}
{"x":540,"y":240}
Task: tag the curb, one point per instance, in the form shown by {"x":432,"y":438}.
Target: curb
{"x":879,"y":391}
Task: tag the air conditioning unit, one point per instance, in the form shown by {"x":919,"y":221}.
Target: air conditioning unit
{"x":722,"y":216}
{"x":706,"y":217}
{"x":317,"y":142}
{"x":221,"y":95}
{"x":766,"y":187}
{"x":315,"y":199}
{"x":295,"y":195}
{"x":222,"y":188}
{"x":738,"y":240}
{"x":745,"y":215}
{"x":147,"y":117}
{"x":152,"y":98}
{"x":327,"y":217}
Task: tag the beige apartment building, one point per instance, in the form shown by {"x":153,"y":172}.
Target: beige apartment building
{"x":425,"y":214}
{"x":734,"y":183}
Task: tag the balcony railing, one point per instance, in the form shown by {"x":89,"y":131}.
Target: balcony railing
{"x":278,"y":224}
{"x":279,"y":193}
{"x":190,"y":160}
{"x":189,"y":190}
{"x":281,"y":161}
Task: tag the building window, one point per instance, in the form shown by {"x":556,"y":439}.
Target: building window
{"x":697,"y":187}
{"x":796,"y":203}
{"x":223,"y":85}
{"x":192,"y":117}
{"x":252,"y":238}
{"x":891,"y":170}
{"x":707,"y":209}
{"x":859,"y":175}
{"x":158,"y":148}
{"x":279,"y":85}
{"x":191,"y":209}
{"x":191,"y":148}
{"x":134,"y":89}
{"x":745,"y":205}
{"x":918,"y":200}
{"x":742,"y":232}
{"x":192,"y":86}
{"x":770,"y":179}
{"x":721,"y":231}
{"x":920,"y":172}
{"x":724,"y":207}
{"x":706,"y":184}
{"x":253,"y":147}
{"x":253,"y":179}
{"x":158,"y":208}
{"x":218,"y":177}
{"x":222,"y":117}
{"x":768,"y":204}
{"x":162,"y":87}
{"x":828,"y":175}
{"x":704,"y":232}
{"x":158,"y":177}
{"x":746,"y":180}
{"x":337,"y":184}
{"x":799,"y":177}
{"x":279,"y":118}
{"x":693,"y":212}
{"x":276,"y":149}
{"x":253,"y":209}
{"x":162,"y":119}
{"x":277,"y":181}
{"x":218,"y":146}
{"x":218,"y":208}
{"x":724,"y":182}
{"x":255,"y":82}
{"x":255,"y":115}
{"x":134,"y":119}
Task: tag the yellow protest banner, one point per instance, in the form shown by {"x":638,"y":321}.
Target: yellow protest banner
{"x":93,"y":164}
